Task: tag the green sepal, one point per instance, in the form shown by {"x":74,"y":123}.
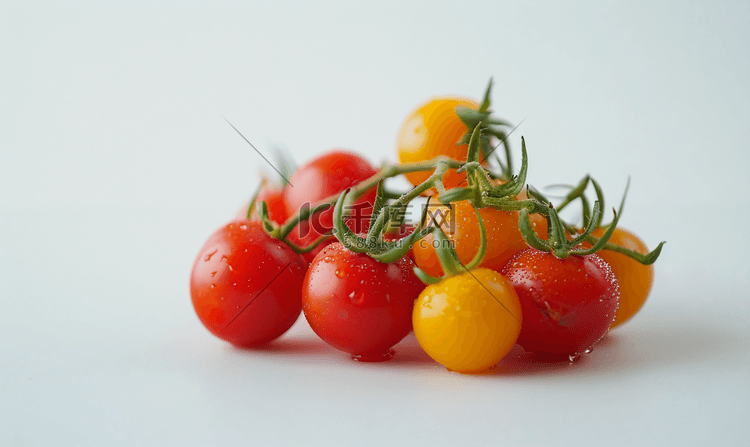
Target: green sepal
{"x":603,"y":240}
{"x":479,"y":256}
{"x":600,"y":198}
{"x":590,"y":227}
{"x":456,"y":195}
{"x":516,"y":184}
{"x":575,"y":192}
{"x":471,"y":118}
{"x":485,"y":107}
{"x":557,"y":240}
{"x":473,"y":152}
{"x":536,"y":195}
{"x":375,"y":246}
{"x":528,"y":234}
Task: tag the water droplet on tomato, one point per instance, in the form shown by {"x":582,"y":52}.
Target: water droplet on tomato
{"x":213,"y":285}
{"x":574,"y":357}
{"x":588,"y":350}
{"x":213,"y":274}
{"x":208,"y":256}
{"x":243,"y":227}
{"x":339,"y":273}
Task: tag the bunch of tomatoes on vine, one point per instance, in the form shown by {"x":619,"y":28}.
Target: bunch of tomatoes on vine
{"x":488,"y":265}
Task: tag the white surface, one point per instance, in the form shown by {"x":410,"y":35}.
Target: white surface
{"x":115,"y":165}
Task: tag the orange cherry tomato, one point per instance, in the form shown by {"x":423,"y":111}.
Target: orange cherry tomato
{"x":635,"y":278}
{"x":431,"y":130}
{"x":504,"y":239}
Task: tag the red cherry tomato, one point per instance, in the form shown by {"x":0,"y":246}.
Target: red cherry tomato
{"x":567,"y":304}
{"x":323,"y":177}
{"x":357,"y":304}
{"x":246,"y":286}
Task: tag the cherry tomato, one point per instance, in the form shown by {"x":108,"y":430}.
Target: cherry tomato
{"x":568,"y":304}
{"x":357,"y":304}
{"x":431,"y":130}
{"x":468,"y":322}
{"x":274,"y":199}
{"x":246,"y":286}
{"x":635,"y":279}
{"x":323,"y":177}
{"x":460,"y":224}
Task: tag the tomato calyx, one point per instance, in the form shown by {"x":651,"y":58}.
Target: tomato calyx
{"x":557,"y":243}
{"x":448,"y":257}
{"x":384,"y":218}
{"x":578,"y":192}
{"x":491,"y":127}
{"x":483,"y":192}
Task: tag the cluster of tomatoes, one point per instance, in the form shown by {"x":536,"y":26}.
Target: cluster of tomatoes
{"x":498,"y":267}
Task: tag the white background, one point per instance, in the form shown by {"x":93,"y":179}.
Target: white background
{"x":116,"y":165}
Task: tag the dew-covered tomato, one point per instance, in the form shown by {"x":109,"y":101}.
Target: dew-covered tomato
{"x":635,"y":279}
{"x":357,"y":304}
{"x":323,"y":177}
{"x":432,"y":130}
{"x":468,"y":322}
{"x":246,"y":286}
{"x":460,"y":224}
{"x":568,"y":304}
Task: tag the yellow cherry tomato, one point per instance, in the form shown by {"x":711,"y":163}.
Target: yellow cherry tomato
{"x":432,"y":130}
{"x":460,"y":224}
{"x":635,"y":278}
{"x":468,"y":322}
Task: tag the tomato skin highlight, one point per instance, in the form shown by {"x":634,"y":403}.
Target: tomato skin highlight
{"x":322,"y":177}
{"x":431,"y":130}
{"x":468,"y":322}
{"x":357,"y":304}
{"x":635,"y":279}
{"x":568,"y":304}
{"x":245,"y":285}
{"x":504,"y":240}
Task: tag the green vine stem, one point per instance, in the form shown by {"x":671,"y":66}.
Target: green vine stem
{"x":374,"y":244}
{"x":448,"y":257}
{"x":439,"y":165}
